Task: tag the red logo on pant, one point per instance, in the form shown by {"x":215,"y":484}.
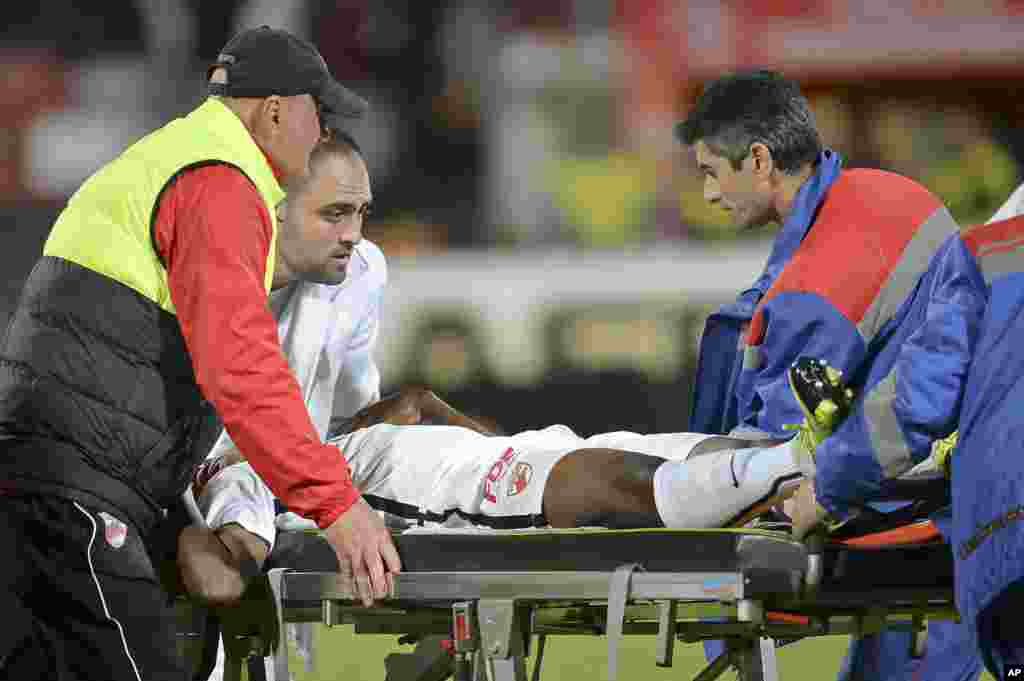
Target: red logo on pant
{"x":496,"y":473}
{"x":114,"y":531}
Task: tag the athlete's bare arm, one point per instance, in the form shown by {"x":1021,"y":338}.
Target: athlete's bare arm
{"x":436,"y":410}
{"x":216,"y":565}
{"x":414,"y":405}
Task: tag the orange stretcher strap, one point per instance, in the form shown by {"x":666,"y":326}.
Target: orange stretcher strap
{"x":922,"y":532}
{"x":787,"y":618}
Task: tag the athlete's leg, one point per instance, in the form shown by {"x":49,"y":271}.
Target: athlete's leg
{"x":623,"y":488}
{"x":445,"y":473}
{"x":604,"y":487}
{"x":671,"y":446}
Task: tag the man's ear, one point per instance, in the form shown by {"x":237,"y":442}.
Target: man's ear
{"x":219,"y":76}
{"x":762,"y":162}
{"x":270,"y":110}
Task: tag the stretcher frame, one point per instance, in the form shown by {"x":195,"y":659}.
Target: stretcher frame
{"x":497,"y":618}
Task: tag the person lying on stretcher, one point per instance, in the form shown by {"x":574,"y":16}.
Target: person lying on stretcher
{"x":415,"y":457}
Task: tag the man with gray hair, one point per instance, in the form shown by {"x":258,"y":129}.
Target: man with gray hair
{"x":852,"y":246}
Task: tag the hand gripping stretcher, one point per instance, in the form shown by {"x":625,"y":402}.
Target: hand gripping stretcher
{"x":496,"y":596}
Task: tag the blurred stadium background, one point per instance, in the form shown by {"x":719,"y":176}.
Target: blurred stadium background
{"x":551,"y":256}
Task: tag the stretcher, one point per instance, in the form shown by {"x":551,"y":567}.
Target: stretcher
{"x":480,"y":602}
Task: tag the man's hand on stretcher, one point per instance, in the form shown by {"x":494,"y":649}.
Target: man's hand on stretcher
{"x":413,"y":405}
{"x":804,"y":510}
{"x":361,"y":539}
{"x":359,"y":535}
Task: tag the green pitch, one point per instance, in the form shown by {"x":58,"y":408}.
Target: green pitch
{"x":343,"y":656}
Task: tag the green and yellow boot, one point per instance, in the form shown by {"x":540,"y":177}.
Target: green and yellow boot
{"x":825,"y":402}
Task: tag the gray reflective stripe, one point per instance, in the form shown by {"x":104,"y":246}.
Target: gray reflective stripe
{"x":998,"y":264}
{"x":891,"y":449}
{"x":912,"y":263}
{"x":752,"y":357}
{"x":986,"y":248}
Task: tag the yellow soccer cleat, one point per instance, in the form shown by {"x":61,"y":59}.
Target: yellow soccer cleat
{"x":942,"y":451}
{"x":825,"y":402}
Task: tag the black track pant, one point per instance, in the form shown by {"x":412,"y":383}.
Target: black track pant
{"x":79,"y":598}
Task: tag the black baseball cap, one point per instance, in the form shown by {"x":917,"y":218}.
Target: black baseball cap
{"x":265,"y":61}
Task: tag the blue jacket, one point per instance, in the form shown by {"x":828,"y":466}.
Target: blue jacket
{"x":850,"y":251}
{"x":988,"y":463}
{"x":951,"y":361}
{"x":911,"y":390}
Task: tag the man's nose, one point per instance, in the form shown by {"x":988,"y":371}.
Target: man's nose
{"x":712,"y":192}
{"x":351,"y":231}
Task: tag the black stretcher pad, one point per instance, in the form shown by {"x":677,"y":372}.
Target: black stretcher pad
{"x":657,"y":550}
{"x":771,"y":562}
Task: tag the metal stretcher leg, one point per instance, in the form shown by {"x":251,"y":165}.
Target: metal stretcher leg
{"x":617,"y":597}
{"x":274,"y":578}
{"x":537,"y":664}
{"x":502,"y":639}
{"x":753,"y":658}
{"x":716,"y":668}
{"x":665,"y":645}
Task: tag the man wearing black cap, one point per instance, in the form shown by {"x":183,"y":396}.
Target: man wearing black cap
{"x":145,"y":319}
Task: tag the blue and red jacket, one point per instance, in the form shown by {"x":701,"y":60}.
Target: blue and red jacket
{"x":988,"y":462}
{"x":856,"y":246}
{"x":911,"y":392}
{"x":950,"y":361}
{"x":851,"y":250}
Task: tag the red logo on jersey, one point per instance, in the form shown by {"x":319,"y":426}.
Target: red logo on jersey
{"x":496,"y":473}
{"x":521,"y":475}
{"x":204,"y":472}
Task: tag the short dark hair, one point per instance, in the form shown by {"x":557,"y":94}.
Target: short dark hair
{"x":338,"y":142}
{"x":740,"y":109}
